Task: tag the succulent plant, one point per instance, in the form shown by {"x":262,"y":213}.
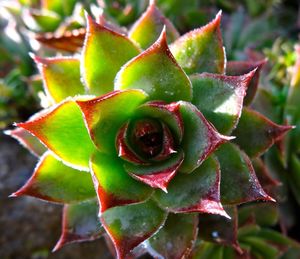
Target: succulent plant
{"x":137,"y":144}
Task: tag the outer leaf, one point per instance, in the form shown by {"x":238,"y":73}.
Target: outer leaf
{"x":195,"y":192}
{"x":106,"y":114}
{"x":200,"y":137}
{"x":63,"y":131}
{"x":238,"y":181}
{"x":220,"y":98}
{"x":113,"y":185}
{"x":53,"y":181}
{"x":157,"y":73}
{"x":147,"y":28}
{"x":61,"y":77}
{"x":80,"y":223}
{"x":255,"y":133}
{"x":201,"y":50}
{"x":104,"y":53}
{"x":128,"y":226}
{"x":176,"y":238}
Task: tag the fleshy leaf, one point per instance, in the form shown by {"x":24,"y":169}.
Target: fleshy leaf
{"x":56,"y":182}
{"x":113,"y":184}
{"x":104,"y":53}
{"x":28,"y":141}
{"x":80,"y":223}
{"x":146,"y":29}
{"x":106,"y":114}
{"x":63,"y":131}
{"x":255,"y":133}
{"x":157,"y":175}
{"x":157,"y":73}
{"x":61,"y":77}
{"x":201,"y":50}
{"x":176,"y":238}
{"x":200,"y":137}
{"x":239,"y":183}
{"x":220,"y":98}
{"x":130,"y":225}
{"x":195,"y":192}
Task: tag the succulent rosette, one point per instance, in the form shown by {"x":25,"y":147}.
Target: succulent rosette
{"x":139,"y":131}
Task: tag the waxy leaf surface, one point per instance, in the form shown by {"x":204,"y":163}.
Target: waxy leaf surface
{"x":220,"y":98}
{"x":201,"y":50}
{"x":157,"y":73}
{"x":104,"y":53}
{"x":128,"y":226}
{"x":56,"y":182}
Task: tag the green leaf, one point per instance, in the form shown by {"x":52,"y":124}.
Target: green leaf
{"x":46,"y":20}
{"x":53,"y":181}
{"x":294,"y":176}
{"x":201,"y":50}
{"x":157,"y":73}
{"x":104,"y":53}
{"x":106,"y":114}
{"x":239,"y":183}
{"x":208,"y":250}
{"x":61,"y":77}
{"x":113,"y":185}
{"x":255,"y":133}
{"x":176,"y":238}
{"x":80,"y":223}
{"x":128,"y":226}
{"x":220,"y":98}
{"x":61,"y":128}
{"x":147,"y":28}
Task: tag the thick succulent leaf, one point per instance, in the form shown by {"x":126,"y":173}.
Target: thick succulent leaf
{"x":255,"y":133}
{"x":157,"y":73}
{"x":294,"y":176}
{"x":195,"y":192}
{"x":113,"y":185}
{"x":176,"y":238}
{"x":147,"y":28}
{"x":56,"y":182}
{"x":106,"y":114}
{"x":208,"y":250}
{"x":28,"y":141}
{"x":239,"y":183}
{"x":200,"y":137}
{"x":220,"y":98}
{"x":80,"y":223}
{"x":159,"y":174}
{"x":130,"y":225}
{"x":61,"y":77}
{"x":201,"y":50}
{"x":63,"y":131}
{"x":104,"y":53}
{"x":44,"y":20}
{"x":236,"y":68}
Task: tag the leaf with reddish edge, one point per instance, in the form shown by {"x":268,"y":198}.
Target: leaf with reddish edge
{"x":80,"y":223}
{"x":157,"y":73}
{"x":159,"y":174}
{"x":61,"y":128}
{"x":106,"y":114}
{"x":104,"y":53}
{"x":27,"y":140}
{"x":70,"y":41}
{"x":113,"y":185}
{"x":195,"y":192}
{"x":200,"y":137}
{"x":53,"y":181}
{"x":236,"y":68}
{"x":220,"y":98}
{"x":201,"y":50}
{"x":61,"y":77}
{"x":130,"y":225}
{"x":237,"y":171}
{"x":147,"y":28}
{"x":176,"y":238}
{"x":255,"y":134}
